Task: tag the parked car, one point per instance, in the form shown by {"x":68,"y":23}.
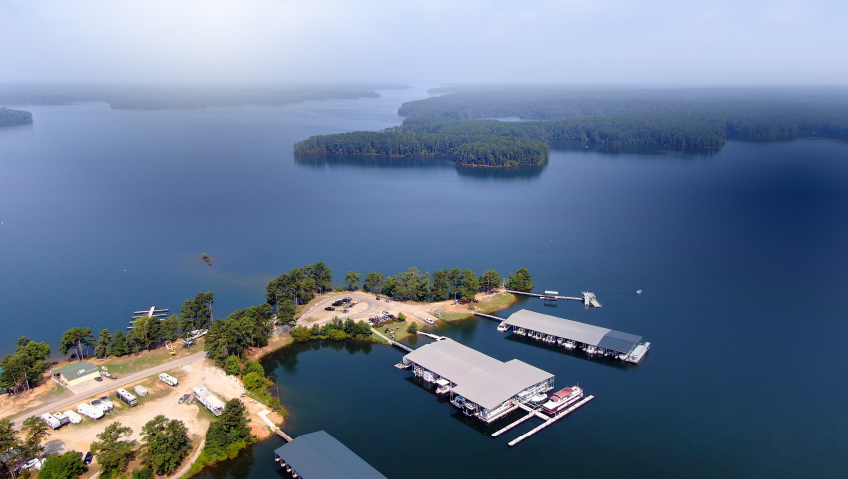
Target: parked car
{"x":184,"y":398}
{"x":329,"y":308}
{"x":98,"y":379}
{"x":87,"y":459}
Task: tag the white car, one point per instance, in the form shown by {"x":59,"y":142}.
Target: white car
{"x":107,"y":402}
{"x":95,"y":403}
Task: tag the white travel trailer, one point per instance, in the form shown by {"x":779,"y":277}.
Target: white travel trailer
{"x":140,"y":390}
{"x":128,"y":398}
{"x":73,"y":416}
{"x":93,"y":412}
{"x":212,"y":402}
{"x":63,"y":419}
{"x":168,"y":379}
{"x":51,"y":421}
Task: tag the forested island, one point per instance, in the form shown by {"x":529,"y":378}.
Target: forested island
{"x":9,"y":117}
{"x":460,"y":121}
{"x":469,"y":149}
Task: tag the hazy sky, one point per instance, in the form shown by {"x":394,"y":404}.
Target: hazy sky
{"x":432,"y":41}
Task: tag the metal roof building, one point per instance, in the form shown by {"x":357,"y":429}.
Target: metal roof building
{"x":319,"y":455}
{"x":604,"y":338}
{"x":76,"y":373}
{"x":476,"y":377}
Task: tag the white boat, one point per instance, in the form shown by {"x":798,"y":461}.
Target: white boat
{"x":638,"y":291}
{"x":560,"y":341}
{"x":549,"y":339}
{"x":541,"y":397}
{"x":443,"y":386}
{"x":569,"y":344}
{"x":562,"y":399}
{"x":590,"y":349}
{"x":502,"y":327}
{"x":521,"y":332}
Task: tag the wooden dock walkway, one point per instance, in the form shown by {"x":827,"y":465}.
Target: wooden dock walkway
{"x":510,"y":426}
{"x":277,"y":431}
{"x":488,"y":316}
{"x":392,"y":342}
{"x":550,"y":421}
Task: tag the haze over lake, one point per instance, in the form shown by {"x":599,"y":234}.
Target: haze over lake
{"x":740,"y":252}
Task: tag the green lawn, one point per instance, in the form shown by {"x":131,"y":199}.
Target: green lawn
{"x":147,"y":359}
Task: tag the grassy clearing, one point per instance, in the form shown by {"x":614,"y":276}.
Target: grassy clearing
{"x":494,"y":302}
{"x":398,"y":328}
{"x":455,"y":316}
{"x":147,"y":359}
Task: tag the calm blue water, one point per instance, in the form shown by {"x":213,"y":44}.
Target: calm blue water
{"x":741,"y":253}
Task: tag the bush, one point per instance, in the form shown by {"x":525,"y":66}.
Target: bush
{"x":252,"y":367}
{"x":232,"y":366}
{"x":67,"y":466}
{"x":412,"y":328}
{"x":337,"y":334}
{"x":301,"y":334}
{"x":146,"y":473}
{"x":401,"y":316}
{"x":256,"y":382}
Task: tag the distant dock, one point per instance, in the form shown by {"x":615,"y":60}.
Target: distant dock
{"x":589,"y":298}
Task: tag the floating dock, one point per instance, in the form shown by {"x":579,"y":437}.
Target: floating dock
{"x":477,"y":384}
{"x":593,"y":340}
{"x":550,"y":421}
{"x":589,"y":298}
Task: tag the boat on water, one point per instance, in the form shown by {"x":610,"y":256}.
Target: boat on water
{"x":443,"y":386}
{"x":590,"y":349}
{"x":521,"y":332}
{"x":638,"y":291}
{"x":562,"y":399}
{"x":560,"y":341}
{"x":569,"y":344}
{"x":502,"y":327}
{"x":539,"y":398}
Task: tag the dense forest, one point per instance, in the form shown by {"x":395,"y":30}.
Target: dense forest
{"x":455,"y":123}
{"x":9,"y":117}
{"x":469,"y":149}
{"x":763,"y":113}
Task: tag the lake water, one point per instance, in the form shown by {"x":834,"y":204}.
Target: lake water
{"x":741,"y":253}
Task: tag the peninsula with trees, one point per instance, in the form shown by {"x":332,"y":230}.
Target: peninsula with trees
{"x":9,"y":117}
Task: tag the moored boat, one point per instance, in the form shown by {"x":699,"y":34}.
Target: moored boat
{"x":562,"y":399}
{"x":502,"y":327}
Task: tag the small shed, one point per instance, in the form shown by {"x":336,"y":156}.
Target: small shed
{"x":77,"y":373}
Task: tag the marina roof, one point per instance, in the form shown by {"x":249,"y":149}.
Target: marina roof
{"x":319,"y":455}
{"x":74,"y":370}
{"x":479,"y":378}
{"x":580,"y":332}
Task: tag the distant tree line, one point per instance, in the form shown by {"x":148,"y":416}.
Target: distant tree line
{"x":9,"y":117}
{"x":444,"y":284}
{"x":469,"y":149}
{"x":673,"y":117}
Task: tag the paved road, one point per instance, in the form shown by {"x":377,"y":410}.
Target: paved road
{"x":109,"y":385}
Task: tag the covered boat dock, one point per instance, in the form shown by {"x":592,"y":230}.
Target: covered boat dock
{"x":594,"y":340}
{"x":479,"y":385}
{"x":319,"y":455}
